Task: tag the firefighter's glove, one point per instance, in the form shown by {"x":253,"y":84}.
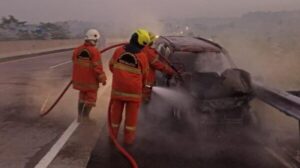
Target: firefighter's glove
{"x":169,"y":77}
{"x":102,"y":79}
{"x":104,"y":83}
{"x":148,"y":86}
{"x":178,"y":78}
{"x":147,"y":89}
{"x":169,"y":71}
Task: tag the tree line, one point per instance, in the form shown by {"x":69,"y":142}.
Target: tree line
{"x":12,"y":28}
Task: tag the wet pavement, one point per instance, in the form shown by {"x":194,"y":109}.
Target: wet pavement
{"x":25,"y":85}
{"x":172,"y":146}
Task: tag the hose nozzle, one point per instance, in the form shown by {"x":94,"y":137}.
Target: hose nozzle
{"x":148,"y":86}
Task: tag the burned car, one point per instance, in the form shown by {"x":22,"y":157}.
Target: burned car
{"x":220,"y":91}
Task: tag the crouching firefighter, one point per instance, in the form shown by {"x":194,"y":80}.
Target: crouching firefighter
{"x":154,"y":64}
{"x":129,"y":66}
{"x":87,"y":74}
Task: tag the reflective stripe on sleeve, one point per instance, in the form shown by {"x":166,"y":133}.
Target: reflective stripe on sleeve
{"x":102,"y":75}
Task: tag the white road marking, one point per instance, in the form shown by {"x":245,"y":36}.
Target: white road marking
{"x":279,"y":158}
{"x":55,"y":66}
{"x":48,"y":158}
{"x":45,"y":103}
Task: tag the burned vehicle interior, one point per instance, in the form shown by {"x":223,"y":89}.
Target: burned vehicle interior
{"x":217,"y":88}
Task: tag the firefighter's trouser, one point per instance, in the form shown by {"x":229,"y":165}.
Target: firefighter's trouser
{"x":131,"y":117}
{"x":88,"y":97}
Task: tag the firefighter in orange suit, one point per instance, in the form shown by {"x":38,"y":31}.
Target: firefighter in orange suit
{"x":129,"y":66}
{"x":87,"y":73}
{"x":154,"y":64}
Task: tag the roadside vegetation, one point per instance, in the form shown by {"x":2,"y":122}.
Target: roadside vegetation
{"x":12,"y":28}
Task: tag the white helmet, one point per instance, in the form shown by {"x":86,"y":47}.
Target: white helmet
{"x":92,"y":34}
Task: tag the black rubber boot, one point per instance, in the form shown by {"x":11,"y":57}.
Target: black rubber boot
{"x":86,"y":112}
{"x":80,"y":111}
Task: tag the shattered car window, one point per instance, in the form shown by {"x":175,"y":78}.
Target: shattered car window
{"x":200,"y":62}
{"x":211,"y":62}
{"x":162,"y":49}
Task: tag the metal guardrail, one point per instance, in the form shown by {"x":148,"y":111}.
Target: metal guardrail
{"x":29,"y":55}
{"x":284,"y":101}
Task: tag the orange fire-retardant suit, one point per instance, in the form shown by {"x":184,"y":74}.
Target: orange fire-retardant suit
{"x":87,"y":73}
{"x":129,"y":76}
{"x":154,"y":64}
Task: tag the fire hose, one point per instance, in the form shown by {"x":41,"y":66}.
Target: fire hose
{"x":116,"y":143}
{"x":113,"y":138}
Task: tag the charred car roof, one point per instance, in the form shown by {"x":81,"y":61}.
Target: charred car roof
{"x":190,"y":44}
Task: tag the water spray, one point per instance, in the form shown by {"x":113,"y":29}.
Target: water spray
{"x":176,"y":97}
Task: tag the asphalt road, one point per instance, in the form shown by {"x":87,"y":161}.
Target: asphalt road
{"x":165,"y":146}
{"x":25,"y":84}
{"x":25,"y":138}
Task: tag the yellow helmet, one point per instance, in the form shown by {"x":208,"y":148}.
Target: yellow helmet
{"x":152,"y":37}
{"x":143,"y":37}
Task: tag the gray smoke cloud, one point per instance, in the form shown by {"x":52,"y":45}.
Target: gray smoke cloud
{"x":136,"y":10}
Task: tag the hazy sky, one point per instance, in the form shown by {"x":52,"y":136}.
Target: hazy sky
{"x":95,"y":10}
